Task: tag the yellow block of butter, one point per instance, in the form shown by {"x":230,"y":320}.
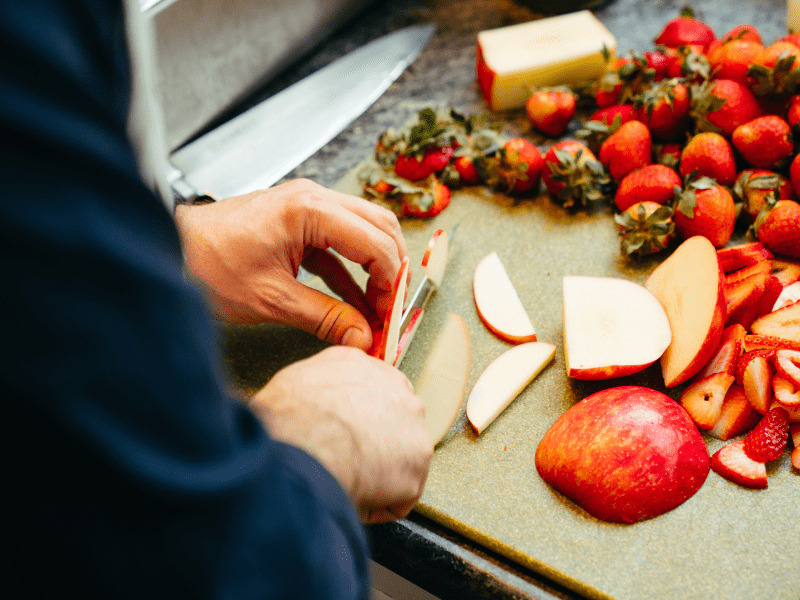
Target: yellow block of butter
{"x":562,"y":50}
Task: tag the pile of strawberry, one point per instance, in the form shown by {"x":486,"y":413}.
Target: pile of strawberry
{"x":751,"y":385}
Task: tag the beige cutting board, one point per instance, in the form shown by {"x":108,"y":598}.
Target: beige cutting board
{"x":726,"y":542}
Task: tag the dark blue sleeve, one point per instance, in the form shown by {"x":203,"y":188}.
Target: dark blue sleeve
{"x":130,"y":471}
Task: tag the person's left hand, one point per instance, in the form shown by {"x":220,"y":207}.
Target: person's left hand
{"x":246,"y":251}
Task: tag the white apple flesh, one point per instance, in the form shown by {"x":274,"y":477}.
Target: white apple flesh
{"x":503,"y":380}
{"x":612,"y":327}
{"x":498,"y":304}
{"x":442,"y":383}
{"x":391,"y":326}
{"x":434,"y":260}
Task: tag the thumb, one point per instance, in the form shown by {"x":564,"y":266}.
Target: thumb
{"x":330,"y":319}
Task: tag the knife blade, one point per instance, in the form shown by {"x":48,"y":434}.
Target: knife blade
{"x":255,"y":149}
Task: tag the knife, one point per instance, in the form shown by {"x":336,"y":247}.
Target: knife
{"x":255,"y":149}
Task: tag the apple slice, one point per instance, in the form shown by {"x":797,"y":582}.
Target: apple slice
{"x":689,"y":284}
{"x":387,"y":349}
{"x":732,"y":463}
{"x":443,"y":380}
{"x":434,"y":260}
{"x":498,"y":304}
{"x":703,"y":399}
{"x":407,"y":336}
{"x":612,"y":327}
{"x":736,"y":416}
{"x":503,"y":380}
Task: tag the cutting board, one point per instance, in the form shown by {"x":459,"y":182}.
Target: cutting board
{"x":725,"y":542}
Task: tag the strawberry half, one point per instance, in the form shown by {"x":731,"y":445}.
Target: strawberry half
{"x":783,"y":323}
{"x":787,"y":364}
{"x":743,"y":255}
{"x":768,"y":439}
{"x":794,"y":431}
{"x":754,"y":373}
{"x":732,"y":463}
{"x":737,"y":415}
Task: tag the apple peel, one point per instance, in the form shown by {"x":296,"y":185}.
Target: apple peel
{"x":387,"y":350}
{"x":503,"y":380}
{"x":498,"y":304}
{"x":434,"y":260}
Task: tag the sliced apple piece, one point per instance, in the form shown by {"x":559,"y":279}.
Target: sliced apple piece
{"x":612,"y":327}
{"x":414,"y":320}
{"x":783,"y":323}
{"x":443,"y":380}
{"x":503,"y":380}
{"x":737,"y":415}
{"x":732,"y":463}
{"x":387,"y":349}
{"x":434,"y":261}
{"x":689,"y":284}
{"x":498,"y":304}
{"x":703,"y":399}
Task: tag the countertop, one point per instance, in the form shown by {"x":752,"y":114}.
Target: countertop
{"x":435,"y":557}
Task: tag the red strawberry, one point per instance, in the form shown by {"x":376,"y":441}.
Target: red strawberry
{"x":787,"y":364}
{"x":467,"y":172}
{"x":792,"y":38}
{"x":688,"y":63}
{"x":736,"y":416}
{"x":625,"y":77}
{"x":668,"y":155}
{"x":551,"y":110}
{"x":573,"y":174}
{"x":742,"y":255}
{"x":765,"y":142}
{"x":732,"y":463}
{"x":427,"y":204}
{"x":721,"y":105}
{"x":709,"y":155}
{"x":783,"y":324}
{"x":774,"y":75}
{"x":658,"y":61}
{"x":794,"y":174}
{"x":664,"y":109}
{"x":437,"y":158}
{"x":732,"y":60}
{"x":753,"y":185}
{"x":685,"y":30}
{"x":768,"y":342}
{"x":627,"y":149}
{"x":608,"y":114}
{"x":768,"y":439}
{"x":793,"y":113}
{"x":706,"y":208}
{"x":645,"y":228}
{"x":778,"y":227}
{"x":743,"y":298}
{"x":754,"y":373}
{"x":412,"y":168}
{"x":787,"y":393}
{"x":653,"y":183}
{"x":794,"y":430}
{"x":521,"y":165}
{"x":743,"y":32}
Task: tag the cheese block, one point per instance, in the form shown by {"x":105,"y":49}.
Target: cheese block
{"x":561,"y":50}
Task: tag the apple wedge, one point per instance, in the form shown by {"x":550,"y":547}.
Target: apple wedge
{"x":434,"y":260}
{"x":498,"y":304}
{"x":612,"y":327}
{"x":387,"y":348}
{"x":503,"y":380}
{"x":443,"y":381}
{"x":690,"y":286}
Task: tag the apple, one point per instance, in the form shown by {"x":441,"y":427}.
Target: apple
{"x":442,"y":383}
{"x":387,"y":348}
{"x":498,"y":304}
{"x":503,"y":380}
{"x":624,"y":454}
{"x":414,"y":319}
{"x":612,"y":327}
{"x":690,"y":286}
{"x":434,"y":260}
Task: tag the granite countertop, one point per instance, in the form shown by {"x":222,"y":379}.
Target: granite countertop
{"x":436,"y":557}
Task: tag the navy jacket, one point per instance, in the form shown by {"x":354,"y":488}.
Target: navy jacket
{"x":130,"y":472}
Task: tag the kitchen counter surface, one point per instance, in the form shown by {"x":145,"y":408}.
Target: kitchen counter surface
{"x":435,"y":557}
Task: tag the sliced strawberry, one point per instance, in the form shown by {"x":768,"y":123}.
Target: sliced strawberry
{"x":703,"y":399}
{"x":762,"y":266}
{"x":736,"y":416}
{"x":743,"y":296}
{"x":787,"y":364}
{"x":736,"y":257}
{"x":768,"y":439}
{"x":735,"y":331}
{"x":796,"y":458}
{"x":787,"y":394}
{"x":724,"y":359}
{"x":789,"y":293}
{"x":783,"y":323}
{"x":794,"y":431}
{"x":754,"y":342}
{"x":772,"y":291}
{"x":733,"y":464}
{"x":787,"y":271}
{"x":755,"y":376}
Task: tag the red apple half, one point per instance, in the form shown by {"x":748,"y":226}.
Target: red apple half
{"x":624,"y":454}
{"x":434,"y":260}
{"x":443,"y":381}
{"x":503,"y":380}
{"x":498,"y":304}
{"x":690,"y":286}
{"x":387,"y":350}
{"x":612,"y":327}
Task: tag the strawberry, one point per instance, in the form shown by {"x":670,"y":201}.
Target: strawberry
{"x":653,"y":183}
{"x":664,"y":108}
{"x":767,"y":440}
{"x":516,"y":168}
{"x":709,"y":155}
{"x":736,"y":416}
{"x":732,"y":59}
{"x":438,"y":157}
{"x":625,"y":77}
{"x":467,"y":172}
{"x":772,"y":291}
{"x":787,"y":396}
{"x":627,"y":149}
{"x":778,"y":227}
{"x":429,"y":203}
{"x":721,"y":105}
{"x":684,"y":30}
{"x":768,"y":342}
{"x":765,"y":142}
{"x":743,"y":255}
{"x":774,"y":76}
{"x":792,"y":38}
{"x":645,"y":228}
{"x":762,"y":266}
{"x":754,"y":373}
{"x":794,"y":430}
{"x":705,"y":208}
{"x":786,"y":271}
{"x":753,"y":185}
{"x":725,"y":358}
{"x":668,"y":155}
{"x":794,"y":174}
{"x":688,"y":63}
{"x":658,"y":61}
{"x":608,"y":114}
{"x":732,"y":463}
{"x":783,"y":324}
{"x":743,"y":32}
{"x":573,"y":174}
{"x":742,"y":298}
{"x":793,"y":113}
{"x":551,"y":110}
{"x":412,"y":168}
{"x":787,"y":365}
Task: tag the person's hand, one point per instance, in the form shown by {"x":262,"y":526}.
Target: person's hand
{"x":247,"y":250}
{"x":360,"y":418}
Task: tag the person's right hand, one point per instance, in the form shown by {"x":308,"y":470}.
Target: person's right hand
{"x":360,"y":418}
